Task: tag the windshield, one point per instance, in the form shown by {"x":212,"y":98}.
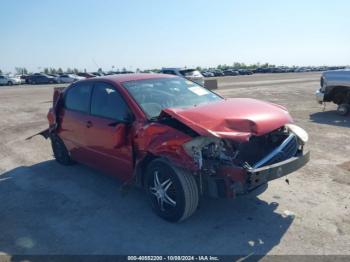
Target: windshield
{"x":153,"y":95}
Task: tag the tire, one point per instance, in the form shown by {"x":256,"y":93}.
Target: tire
{"x":9,"y":83}
{"x":343,"y":109}
{"x":176,"y":200}
{"x":60,"y":151}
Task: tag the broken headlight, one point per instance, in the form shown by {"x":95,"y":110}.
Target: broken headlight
{"x":210,"y":148}
{"x":299,"y":132}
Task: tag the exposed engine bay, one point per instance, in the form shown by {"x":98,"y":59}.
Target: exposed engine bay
{"x":211,"y":152}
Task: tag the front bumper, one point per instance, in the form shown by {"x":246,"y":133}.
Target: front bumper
{"x":232,"y":182}
{"x":259,"y":176}
{"x":319,"y":96}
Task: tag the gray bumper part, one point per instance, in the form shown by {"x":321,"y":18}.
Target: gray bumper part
{"x":262,"y":175}
{"x":319,"y":96}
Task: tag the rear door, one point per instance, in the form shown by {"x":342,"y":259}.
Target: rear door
{"x":75,"y":119}
{"x":108,"y":138}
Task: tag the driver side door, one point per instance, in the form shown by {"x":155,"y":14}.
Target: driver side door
{"x":108,"y":138}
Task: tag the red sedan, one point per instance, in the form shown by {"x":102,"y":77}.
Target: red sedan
{"x":173,"y":137}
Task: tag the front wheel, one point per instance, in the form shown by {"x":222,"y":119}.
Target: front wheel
{"x":173,"y":192}
{"x":9,"y":83}
{"x":343,"y":109}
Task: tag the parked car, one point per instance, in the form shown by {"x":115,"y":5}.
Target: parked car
{"x":245,"y":72}
{"x":218,"y":72}
{"x":19,"y":79}
{"x":24,"y":79}
{"x":174,"y":138}
{"x":39,"y":78}
{"x":7,"y":80}
{"x":190,"y":74}
{"x":207,"y":74}
{"x":69,"y":78}
{"x":261,"y":70}
{"x":86,"y":75}
{"x":231,"y":72}
{"x":335,"y":87}
{"x":97,"y":73}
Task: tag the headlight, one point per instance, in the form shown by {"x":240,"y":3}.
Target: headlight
{"x":299,"y":132}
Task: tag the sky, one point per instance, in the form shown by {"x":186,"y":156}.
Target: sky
{"x":88,"y":34}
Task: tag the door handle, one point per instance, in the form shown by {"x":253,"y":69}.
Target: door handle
{"x":88,"y":124}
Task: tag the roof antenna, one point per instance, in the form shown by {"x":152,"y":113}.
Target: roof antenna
{"x":93,"y":60}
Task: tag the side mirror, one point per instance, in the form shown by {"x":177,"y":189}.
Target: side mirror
{"x":127,"y":120}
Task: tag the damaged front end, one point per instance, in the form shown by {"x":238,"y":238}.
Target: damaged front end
{"x":227,"y":168}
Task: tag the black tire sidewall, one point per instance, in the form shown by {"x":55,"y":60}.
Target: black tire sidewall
{"x":176,"y":213}
{"x":59,"y":150}
{"x":346,"y":112}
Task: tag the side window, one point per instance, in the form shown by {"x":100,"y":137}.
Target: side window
{"x":107,"y":102}
{"x":78,"y":97}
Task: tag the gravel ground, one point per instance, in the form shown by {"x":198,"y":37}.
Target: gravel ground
{"x":51,"y":209}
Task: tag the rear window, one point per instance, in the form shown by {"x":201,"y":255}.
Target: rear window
{"x":78,"y":97}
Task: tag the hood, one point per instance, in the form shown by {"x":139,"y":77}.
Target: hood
{"x":236,"y":118}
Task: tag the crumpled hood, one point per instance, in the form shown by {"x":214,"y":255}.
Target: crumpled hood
{"x":236,"y":118}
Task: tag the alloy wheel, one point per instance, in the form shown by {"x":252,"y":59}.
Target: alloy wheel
{"x":163,"y":192}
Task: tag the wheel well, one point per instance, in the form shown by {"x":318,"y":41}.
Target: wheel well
{"x":340,"y":95}
{"x":142,"y":167}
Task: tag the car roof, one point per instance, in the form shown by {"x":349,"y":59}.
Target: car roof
{"x":120,"y":78}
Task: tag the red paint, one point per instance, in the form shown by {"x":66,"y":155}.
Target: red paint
{"x":236,"y":118}
{"x":117,"y":150}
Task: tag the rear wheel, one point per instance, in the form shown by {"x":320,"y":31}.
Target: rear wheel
{"x":9,"y":83}
{"x":343,"y":109}
{"x":60,"y":151}
{"x":173,"y":192}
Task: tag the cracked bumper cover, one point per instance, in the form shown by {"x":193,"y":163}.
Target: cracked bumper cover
{"x":238,"y":181}
{"x":259,"y":176}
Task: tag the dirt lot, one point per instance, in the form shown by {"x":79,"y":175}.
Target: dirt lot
{"x":46,"y":208}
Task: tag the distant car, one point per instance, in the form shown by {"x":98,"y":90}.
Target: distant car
{"x":231,"y":72}
{"x":69,"y":78}
{"x":218,"y":72}
{"x":245,"y":72}
{"x":97,"y":74}
{"x":86,"y":75}
{"x":261,"y":70}
{"x":20,"y":78}
{"x":335,"y":87}
{"x":24,"y":78}
{"x":41,"y":79}
{"x":190,"y":74}
{"x":207,"y":74}
{"x":7,"y":80}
